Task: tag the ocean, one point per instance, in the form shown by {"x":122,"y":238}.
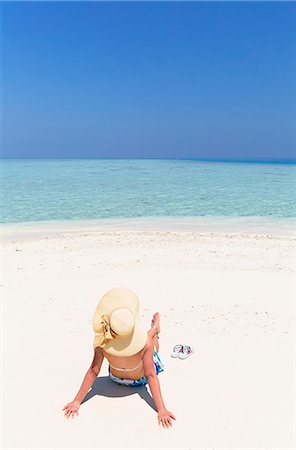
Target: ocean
{"x":42,"y":190}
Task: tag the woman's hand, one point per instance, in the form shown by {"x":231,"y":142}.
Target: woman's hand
{"x":165,"y":418}
{"x":71,"y":409}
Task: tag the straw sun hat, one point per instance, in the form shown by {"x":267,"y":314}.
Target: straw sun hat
{"x":116,"y":323}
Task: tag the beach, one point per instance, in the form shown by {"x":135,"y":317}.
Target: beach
{"x":229,"y":295}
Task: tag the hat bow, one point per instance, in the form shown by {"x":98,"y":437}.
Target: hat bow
{"x":104,"y":332}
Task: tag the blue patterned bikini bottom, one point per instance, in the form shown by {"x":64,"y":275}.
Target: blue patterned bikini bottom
{"x":142,"y":381}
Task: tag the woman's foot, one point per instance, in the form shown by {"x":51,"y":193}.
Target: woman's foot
{"x":155,"y":323}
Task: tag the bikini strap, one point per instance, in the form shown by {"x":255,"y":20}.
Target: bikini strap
{"x":127,"y":370}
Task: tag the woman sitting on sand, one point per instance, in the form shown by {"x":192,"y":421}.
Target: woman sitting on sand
{"x":130,"y":350}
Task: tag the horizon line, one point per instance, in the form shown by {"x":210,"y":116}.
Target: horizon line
{"x":224,"y":160}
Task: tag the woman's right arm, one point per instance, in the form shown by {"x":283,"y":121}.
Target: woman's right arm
{"x":164,"y":416}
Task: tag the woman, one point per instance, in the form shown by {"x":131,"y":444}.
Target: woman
{"x":132,"y":352}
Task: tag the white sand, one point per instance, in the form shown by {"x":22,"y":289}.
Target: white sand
{"x":229,"y":296}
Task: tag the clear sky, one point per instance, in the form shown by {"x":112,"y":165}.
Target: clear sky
{"x":149,"y":79}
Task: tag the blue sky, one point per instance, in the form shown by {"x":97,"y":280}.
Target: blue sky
{"x":139,"y":79}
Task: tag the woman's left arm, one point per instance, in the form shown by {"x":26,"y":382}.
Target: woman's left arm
{"x":89,"y":378}
{"x":164,"y":416}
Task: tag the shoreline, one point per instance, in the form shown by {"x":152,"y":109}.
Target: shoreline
{"x":242,"y":226}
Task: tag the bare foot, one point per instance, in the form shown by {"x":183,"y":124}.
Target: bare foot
{"x":155,"y":323}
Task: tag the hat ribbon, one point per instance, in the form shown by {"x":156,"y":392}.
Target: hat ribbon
{"x":104,"y":332}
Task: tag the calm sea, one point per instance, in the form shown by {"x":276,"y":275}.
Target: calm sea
{"x":86,"y":189}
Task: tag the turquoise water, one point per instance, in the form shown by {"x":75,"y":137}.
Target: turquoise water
{"x":85,"y":189}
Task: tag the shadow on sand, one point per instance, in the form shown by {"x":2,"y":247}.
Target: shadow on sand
{"x":106,"y":387}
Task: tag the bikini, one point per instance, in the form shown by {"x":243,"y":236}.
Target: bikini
{"x":142,"y":381}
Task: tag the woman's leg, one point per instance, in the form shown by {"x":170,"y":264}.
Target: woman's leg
{"x":155,"y":330}
{"x":156,"y":342}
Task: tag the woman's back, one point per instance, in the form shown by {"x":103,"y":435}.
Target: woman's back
{"x":133,"y":365}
